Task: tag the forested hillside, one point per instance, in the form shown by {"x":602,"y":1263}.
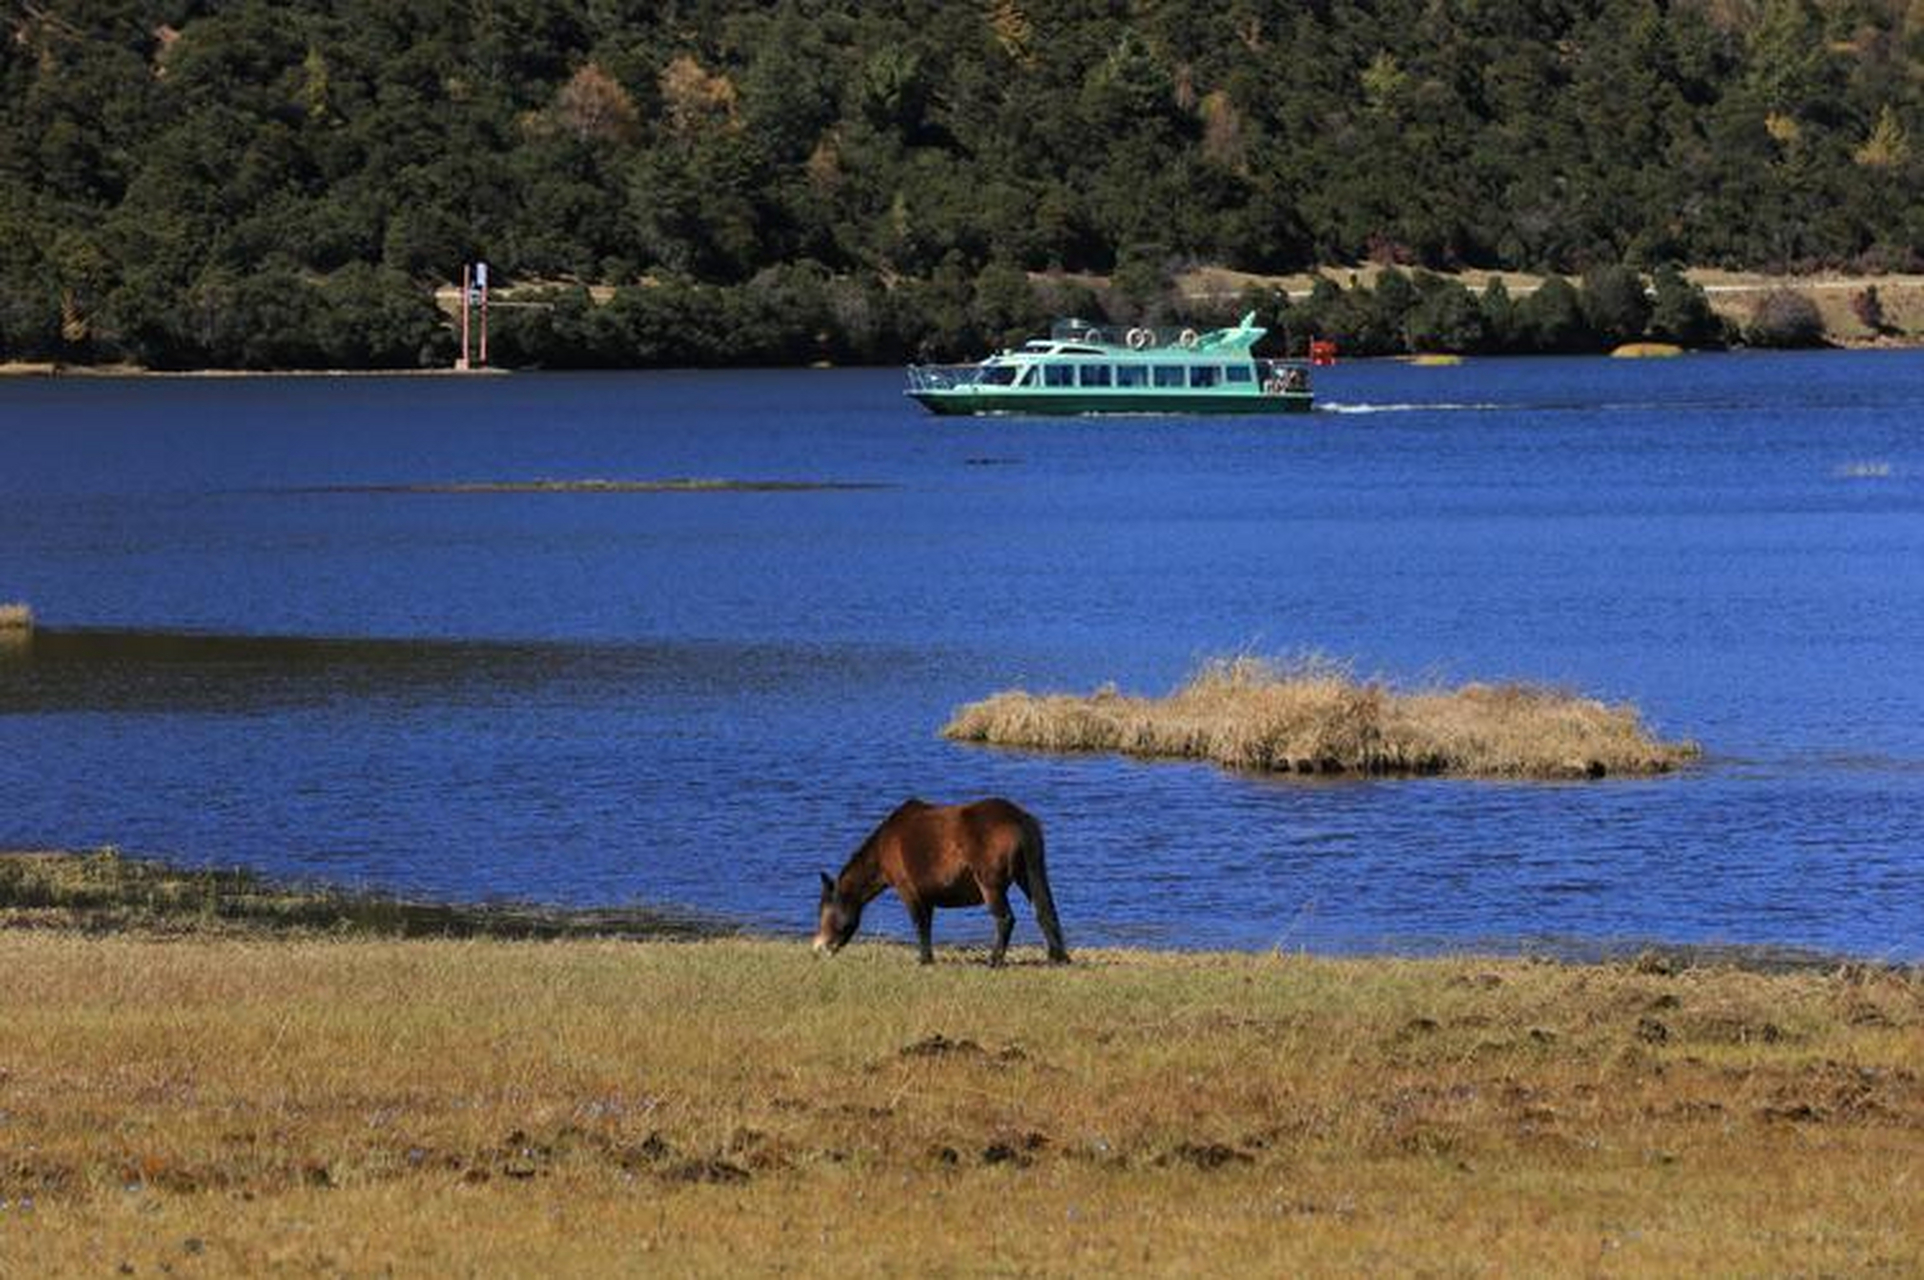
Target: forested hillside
{"x":283,"y":182}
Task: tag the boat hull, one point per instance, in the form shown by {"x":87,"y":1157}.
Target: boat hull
{"x":970,"y":401}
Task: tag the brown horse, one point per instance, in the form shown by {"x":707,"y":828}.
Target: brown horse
{"x":949,"y":856}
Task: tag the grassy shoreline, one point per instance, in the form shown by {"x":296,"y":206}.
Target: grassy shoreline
{"x":100,"y":892}
{"x":237,"y":1094}
{"x":213,"y":1105}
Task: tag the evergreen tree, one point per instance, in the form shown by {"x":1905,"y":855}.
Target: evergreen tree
{"x":1615,"y":304}
{"x":1551,"y":319}
{"x":1680,"y":312}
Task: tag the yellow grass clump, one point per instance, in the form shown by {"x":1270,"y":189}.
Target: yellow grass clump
{"x":1647,"y":351}
{"x":15,"y":617}
{"x":1312,"y":715}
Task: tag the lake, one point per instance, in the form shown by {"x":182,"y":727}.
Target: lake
{"x":262,"y":646}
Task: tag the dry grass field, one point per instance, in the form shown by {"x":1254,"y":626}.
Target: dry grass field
{"x":221,"y":1101}
{"x":1312,"y":715}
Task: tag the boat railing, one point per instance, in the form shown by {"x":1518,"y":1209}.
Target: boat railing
{"x":1145,"y":337}
{"x":1277,"y":376}
{"x":945,"y":377}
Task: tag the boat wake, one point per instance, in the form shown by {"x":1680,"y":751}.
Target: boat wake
{"x":1336,"y":406}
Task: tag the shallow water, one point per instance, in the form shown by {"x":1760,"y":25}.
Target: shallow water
{"x":257,"y":650}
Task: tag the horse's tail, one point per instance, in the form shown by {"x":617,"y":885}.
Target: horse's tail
{"x":1035,"y":883}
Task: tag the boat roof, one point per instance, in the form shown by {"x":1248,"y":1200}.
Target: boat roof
{"x":1082,"y":338}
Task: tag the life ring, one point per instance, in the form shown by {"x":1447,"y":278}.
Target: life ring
{"x":1188,"y":338}
{"x":1139,"y":338}
{"x":1092,"y":335}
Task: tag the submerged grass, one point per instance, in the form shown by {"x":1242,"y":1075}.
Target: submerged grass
{"x":211,"y":1104}
{"x":102,"y":891}
{"x":1312,"y":715}
{"x":678,"y":484}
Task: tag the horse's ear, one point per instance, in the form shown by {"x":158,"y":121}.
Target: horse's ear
{"x":828,"y":886}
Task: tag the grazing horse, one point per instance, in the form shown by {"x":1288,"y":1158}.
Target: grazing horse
{"x":947,"y":856}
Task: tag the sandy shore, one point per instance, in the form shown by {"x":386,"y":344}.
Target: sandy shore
{"x":47,"y":369}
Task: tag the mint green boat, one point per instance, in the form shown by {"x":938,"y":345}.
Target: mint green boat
{"x":1086,"y":368}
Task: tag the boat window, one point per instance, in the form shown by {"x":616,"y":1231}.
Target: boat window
{"x":1169,"y":375}
{"x":1095,"y":375}
{"x":1027,"y":377}
{"x":1204,"y":375}
{"x":1081,"y":351}
{"x":1036,"y":346}
{"x":1058,"y":375}
{"x":1238,"y":373}
{"x":1132,"y":375}
{"x":999,"y":375}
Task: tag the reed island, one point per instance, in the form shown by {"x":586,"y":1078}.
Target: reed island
{"x":1313,"y":715}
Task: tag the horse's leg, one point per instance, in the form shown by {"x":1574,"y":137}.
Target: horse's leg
{"x":923,"y":914}
{"x":1034,"y":883}
{"x":1045,"y":916}
{"x":997,"y":900}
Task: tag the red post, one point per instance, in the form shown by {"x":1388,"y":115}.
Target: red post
{"x":484,"y":323}
{"x":462,"y":361}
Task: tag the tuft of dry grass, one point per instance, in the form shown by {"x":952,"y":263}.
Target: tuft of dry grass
{"x":1312,"y":715}
{"x":15,"y":617}
{"x":226,"y":1105}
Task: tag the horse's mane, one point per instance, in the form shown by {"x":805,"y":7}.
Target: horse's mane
{"x":866,"y":850}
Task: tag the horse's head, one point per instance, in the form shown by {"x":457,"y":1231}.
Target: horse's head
{"x":840,"y":917}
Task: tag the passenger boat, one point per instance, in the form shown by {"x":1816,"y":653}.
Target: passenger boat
{"x":1088,"y":368}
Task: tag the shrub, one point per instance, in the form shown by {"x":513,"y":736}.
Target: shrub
{"x":1552,"y":319}
{"x":1680,"y":311}
{"x":1868,"y":307}
{"x":1785,"y":318}
{"x":1446,"y":317}
{"x":1615,"y":304}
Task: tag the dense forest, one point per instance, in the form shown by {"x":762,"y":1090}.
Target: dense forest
{"x":276,"y":183}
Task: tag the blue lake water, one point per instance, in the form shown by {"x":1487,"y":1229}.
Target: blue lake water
{"x":702,"y":698}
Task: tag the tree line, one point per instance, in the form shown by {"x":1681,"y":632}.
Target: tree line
{"x":281,"y":183}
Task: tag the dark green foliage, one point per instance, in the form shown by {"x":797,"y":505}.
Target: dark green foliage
{"x":1551,"y":319}
{"x":1615,"y":304}
{"x":1145,"y":291}
{"x":262,"y":181}
{"x":1501,"y":328}
{"x":1446,"y":318}
{"x":1680,"y":312}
